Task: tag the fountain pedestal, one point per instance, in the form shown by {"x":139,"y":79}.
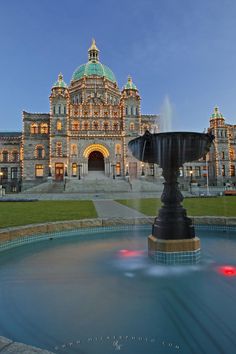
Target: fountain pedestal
{"x":173,"y":238}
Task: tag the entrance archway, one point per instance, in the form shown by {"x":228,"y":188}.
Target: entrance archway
{"x":95,"y":161}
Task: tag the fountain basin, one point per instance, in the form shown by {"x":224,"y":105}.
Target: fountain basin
{"x":96,"y":293}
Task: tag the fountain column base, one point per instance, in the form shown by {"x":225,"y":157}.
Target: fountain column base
{"x":181,"y":251}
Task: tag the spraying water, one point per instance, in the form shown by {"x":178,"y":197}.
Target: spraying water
{"x":166,"y":116}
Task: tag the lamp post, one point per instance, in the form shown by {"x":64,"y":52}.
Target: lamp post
{"x":66,"y":173}
{"x":1,"y":174}
{"x":127,"y":170}
{"x":113,"y":171}
{"x":79,"y":171}
{"x":49,"y":171}
{"x":142,"y":173}
{"x":191,"y":179}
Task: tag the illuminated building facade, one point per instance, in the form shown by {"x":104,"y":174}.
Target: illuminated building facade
{"x":87,"y":131}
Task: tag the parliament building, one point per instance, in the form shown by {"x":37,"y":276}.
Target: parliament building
{"x":86,"y":133}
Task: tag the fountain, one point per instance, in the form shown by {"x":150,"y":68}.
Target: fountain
{"x":173,"y":237}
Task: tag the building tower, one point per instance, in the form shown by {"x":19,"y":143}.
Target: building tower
{"x":58,"y":152}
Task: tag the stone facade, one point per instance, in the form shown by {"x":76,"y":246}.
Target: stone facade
{"x":87,"y":132}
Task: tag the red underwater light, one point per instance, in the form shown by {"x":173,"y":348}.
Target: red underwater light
{"x":227,"y":271}
{"x":130,"y":253}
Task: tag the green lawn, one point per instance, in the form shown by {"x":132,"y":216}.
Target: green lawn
{"x":218,"y":206}
{"x":23,"y":213}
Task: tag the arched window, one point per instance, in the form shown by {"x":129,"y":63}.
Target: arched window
{"x":95,"y":125}
{"x":59,"y":109}
{"x":5,"y":156}
{"x":73,"y":149}
{"x":126,"y":111}
{"x":118,"y":149}
{"x":64,"y":109}
{"x":39,"y":152}
{"x":131,"y":126}
{"x":59,"y":125}
{"x":75,"y":125}
{"x":15,"y":156}
{"x":58,"y":149}
{"x":116,"y":126}
{"x":106,"y":125}
{"x":34,"y":128}
{"x":85,"y":125}
{"x":44,"y":128}
{"x":54,"y":110}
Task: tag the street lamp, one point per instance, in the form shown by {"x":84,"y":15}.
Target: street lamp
{"x":66,"y":174}
{"x":49,"y":171}
{"x":191,"y":179}
{"x":127,"y":170}
{"x":113,"y":171}
{"x":79,"y":171}
{"x":1,"y":174}
{"x":142,"y":173}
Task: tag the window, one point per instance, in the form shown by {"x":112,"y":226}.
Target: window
{"x":73,"y":149}
{"x":38,"y":170}
{"x":118,"y":149}
{"x":95,"y":125}
{"x":64,"y":109}
{"x":231,"y":154}
{"x":54,"y":110}
{"x":59,"y":125}
{"x":58,"y":149}
{"x":106,"y":125}
{"x":4,"y":171}
{"x":14,"y":173}
{"x":116,"y":126}
{"x":44,"y":128}
{"x":86,"y":125}
{"x":14,"y":156}
{"x":197,"y":171}
{"x":223,"y":155}
{"x":75,"y":125}
{"x":223,"y":170}
{"x":131,"y":126}
{"x":118,"y":169}
{"x":74,"y":169}
{"x":59,"y":109}
{"x":5,"y":156}
{"x":39,"y":152}
{"x":136,"y":111}
{"x":232,"y":170}
{"x":34,"y":128}
{"x":126,"y":110}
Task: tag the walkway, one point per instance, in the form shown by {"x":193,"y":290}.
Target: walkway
{"x":110,"y":208}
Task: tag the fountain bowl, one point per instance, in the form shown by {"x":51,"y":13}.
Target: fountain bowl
{"x":171,"y":149}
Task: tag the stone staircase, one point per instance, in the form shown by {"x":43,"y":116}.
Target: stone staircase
{"x":46,"y":187}
{"x":139,"y":185}
{"x":97,"y":185}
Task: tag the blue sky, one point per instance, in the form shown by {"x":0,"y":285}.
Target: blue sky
{"x":182,"y":49}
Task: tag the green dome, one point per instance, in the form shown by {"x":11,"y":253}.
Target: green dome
{"x":60,"y":82}
{"x":93,"y":68}
{"x":130,"y":85}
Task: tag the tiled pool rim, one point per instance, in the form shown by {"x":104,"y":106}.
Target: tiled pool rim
{"x":17,"y":236}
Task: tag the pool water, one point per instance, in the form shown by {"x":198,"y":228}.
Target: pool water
{"x":98,"y":294}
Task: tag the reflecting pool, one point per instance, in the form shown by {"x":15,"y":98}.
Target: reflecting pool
{"x":98,"y":294}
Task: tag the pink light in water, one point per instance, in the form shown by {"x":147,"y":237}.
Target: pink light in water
{"x":227,"y":271}
{"x":130,"y":253}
